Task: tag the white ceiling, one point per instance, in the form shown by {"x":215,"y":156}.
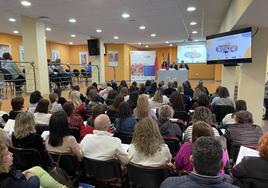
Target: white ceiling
{"x":167,"y":18}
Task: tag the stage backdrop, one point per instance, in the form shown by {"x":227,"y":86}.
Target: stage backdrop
{"x":142,"y":65}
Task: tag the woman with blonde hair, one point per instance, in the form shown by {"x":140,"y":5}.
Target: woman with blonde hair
{"x":158,"y":99}
{"x":143,"y":109}
{"x":148,"y":147}
{"x":80,"y":107}
{"x":33,"y":178}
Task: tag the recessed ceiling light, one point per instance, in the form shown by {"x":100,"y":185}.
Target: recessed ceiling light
{"x":146,"y":46}
{"x":142,"y":27}
{"x":194,"y":32}
{"x":170,"y":45}
{"x":72,"y":20}
{"x":191,"y":9}
{"x":16,"y":32}
{"x":98,"y":30}
{"x":116,"y":37}
{"x":153,"y":35}
{"x":26,"y":3}
{"x":70,"y":43}
{"x":167,"y":42}
{"x":48,"y":29}
{"x":12,"y":19}
{"x":193,"y":23}
{"x":73,"y":35}
{"x":140,"y":43}
{"x":125,"y":15}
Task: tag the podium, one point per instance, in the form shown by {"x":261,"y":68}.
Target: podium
{"x":180,"y":75}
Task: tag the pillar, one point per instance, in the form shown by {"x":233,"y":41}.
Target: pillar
{"x":98,"y":65}
{"x":34,"y":44}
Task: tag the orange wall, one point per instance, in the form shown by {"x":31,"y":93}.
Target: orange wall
{"x":74,"y":55}
{"x":14,"y":42}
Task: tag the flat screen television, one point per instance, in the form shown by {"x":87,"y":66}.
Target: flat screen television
{"x":192,"y":53}
{"x":230,"y":47}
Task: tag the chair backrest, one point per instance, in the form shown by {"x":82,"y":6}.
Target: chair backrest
{"x":182,"y":115}
{"x":75,"y":132}
{"x":221,"y":111}
{"x":26,"y":158}
{"x":76,"y":72}
{"x":104,"y":171}
{"x":124,"y":137}
{"x":146,"y":177}
{"x":40,"y":128}
{"x":66,"y":162}
{"x":174,"y":145}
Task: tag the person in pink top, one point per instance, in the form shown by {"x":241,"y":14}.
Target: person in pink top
{"x":182,"y":161}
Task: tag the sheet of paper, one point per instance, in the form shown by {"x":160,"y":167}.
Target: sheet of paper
{"x":244,"y":151}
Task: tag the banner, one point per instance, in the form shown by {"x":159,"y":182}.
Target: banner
{"x":142,"y":65}
{"x":4,"y":48}
{"x":113,"y":58}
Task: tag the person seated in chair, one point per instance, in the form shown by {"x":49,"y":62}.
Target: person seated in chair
{"x":17,"y":75}
{"x":174,"y":65}
{"x":101,"y":145}
{"x":207,"y":162}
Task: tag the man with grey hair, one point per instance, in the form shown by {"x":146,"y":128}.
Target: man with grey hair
{"x":101,"y":145}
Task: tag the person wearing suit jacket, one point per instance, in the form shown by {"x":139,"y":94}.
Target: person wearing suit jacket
{"x":174,"y":65}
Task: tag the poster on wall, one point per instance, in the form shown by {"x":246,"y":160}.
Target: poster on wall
{"x":21,"y":52}
{"x":113,"y":58}
{"x":55,"y":54}
{"x":142,"y":65}
{"x":4,"y":48}
{"x":83,"y":58}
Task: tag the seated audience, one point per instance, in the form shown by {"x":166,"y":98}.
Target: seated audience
{"x":17,"y":104}
{"x":254,"y":168}
{"x":74,"y":120}
{"x":169,"y":90}
{"x":34,"y":99}
{"x":4,"y":138}
{"x":202,"y":101}
{"x":176,"y":101}
{"x":133,"y":98}
{"x":113,"y":110}
{"x":80,"y":107}
{"x":244,"y":132}
{"x":187,"y":89}
{"x":101,"y":145}
{"x":183,"y":162}
{"x":41,"y":115}
{"x":200,"y":86}
{"x":124,"y":93}
{"x":158,"y":99}
{"x":207,"y":162}
{"x":200,"y":114}
{"x":148,"y":147}
{"x":230,"y":118}
{"x":142,"y":109}
{"x":224,"y":98}
{"x":59,"y":139}
{"x":186,"y":98}
{"x":35,"y":177}
{"x":111,"y":96}
{"x":54,"y":106}
{"x":166,"y":127}
{"x":61,"y":100}
{"x":126,"y":121}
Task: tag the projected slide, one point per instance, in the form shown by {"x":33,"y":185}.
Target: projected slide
{"x":192,"y":54}
{"x":237,"y":46}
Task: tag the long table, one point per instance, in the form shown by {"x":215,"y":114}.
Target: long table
{"x":180,"y":75}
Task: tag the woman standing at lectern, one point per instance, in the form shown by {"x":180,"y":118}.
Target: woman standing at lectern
{"x":164,"y":65}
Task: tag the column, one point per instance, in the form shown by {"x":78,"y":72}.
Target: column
{"x":252,"y":76}
{"x":98,"y":65}
{"x":34,"y":44}
{"x":229,"y":79}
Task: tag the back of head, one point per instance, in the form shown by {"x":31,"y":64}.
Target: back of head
{"x":223,"y":92}
{"x":117,"y":101}
{"x":58,"y":91}
{"x":240,"y":105}
{"x":97,"y":110}
{"x":146,"y":137}
{"x":7,"y":56}
{"x":42,"y":106}
{"x":180,"y":88}
{"x":186,"y":84}
{"x":124,"y":91}
{"x":142,"y":109}
{"x":176,"y":101}
{"x":207,"y":156}
{"x":202,"y":114}
{"x":158,"y":97}
{"x":203,"y":100}
{"x":68,"y":107}
{"x":201,"y":128}
{"x":58,"y":128}
{"x":170,"y":84}
{"x":133,"y":98}
{"x":35,"y":97}
{"x":263,"y":146}
{"x":17,"y":103}
{"x":243,"y":117}
{"x":53,"y":97}
{"x":102,"y":122}
{"x":76,"y":88}
{"x":124,"y":110}
{"x":24,"y":125}
{"x":75,"y":98}
{"x":165,"y":112}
